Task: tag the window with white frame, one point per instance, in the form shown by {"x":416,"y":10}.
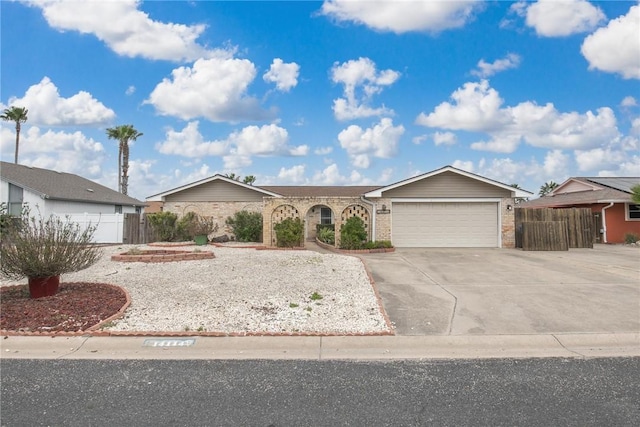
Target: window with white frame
{"x":633,"y":212}
{"x":325,"y":216}
{"x":16,"y":195}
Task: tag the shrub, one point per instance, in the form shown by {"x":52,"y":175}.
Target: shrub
{"x":631,"y":238}
{"x":7,"y":221}
{"x":246,"y":226}
{"x":325,"y":226}
{"x":46,"y":248}
{"x":290,"y":232}
{"x":192,"y":225}
{"x":164,"y":225}
{"x":379,"y":244}
{"x":327,"y":236}
{"x":352,"y":233}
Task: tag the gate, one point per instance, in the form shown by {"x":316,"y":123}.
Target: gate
{"x":137,"y":230}
{"x":580,"y":228}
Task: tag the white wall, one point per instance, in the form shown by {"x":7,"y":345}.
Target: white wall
{"x":109,"y":226}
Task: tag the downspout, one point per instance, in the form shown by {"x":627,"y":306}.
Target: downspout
{"x":604,"y":223}
{"x":373,"y":217}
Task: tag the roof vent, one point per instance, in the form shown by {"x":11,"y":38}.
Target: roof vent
{"x":90,"y":190}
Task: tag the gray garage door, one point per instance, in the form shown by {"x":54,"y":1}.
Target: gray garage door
{"x":436,"y":225}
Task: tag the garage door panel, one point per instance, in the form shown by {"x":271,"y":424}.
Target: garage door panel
{"x":445,"y":224}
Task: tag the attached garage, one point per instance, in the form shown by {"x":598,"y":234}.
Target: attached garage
{"x":445,"y":224}
{"x":444,"y":208}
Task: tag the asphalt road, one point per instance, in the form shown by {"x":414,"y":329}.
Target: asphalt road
{"x":544,"y":392}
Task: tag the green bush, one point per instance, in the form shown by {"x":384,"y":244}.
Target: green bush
{"x":246,"y":226}
{"x":319,"y":227}
{"x":327,"y":236}
{"x":379,"y":244}
{"x":290,"y":232}
{"x":353,"y":234}
{"x":192,"y":225}
{"x":7,"y":221}
{"x":164,"y":226}
{"x":631,"y":238}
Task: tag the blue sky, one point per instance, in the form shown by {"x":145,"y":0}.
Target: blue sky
{"x":324,"y":93}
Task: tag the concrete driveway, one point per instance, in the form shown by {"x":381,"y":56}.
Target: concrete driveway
{"x":509,"y":291}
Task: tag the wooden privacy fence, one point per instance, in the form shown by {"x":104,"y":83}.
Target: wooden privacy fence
{"x":137,"y":230}
{"x":554,"y":229}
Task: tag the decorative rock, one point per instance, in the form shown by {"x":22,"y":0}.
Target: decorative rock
{"x":221,"y":239}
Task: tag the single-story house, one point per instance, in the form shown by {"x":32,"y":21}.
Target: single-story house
{"x":49,"y":192}
{"x":609,"y":198}
{"x":447,"y":207}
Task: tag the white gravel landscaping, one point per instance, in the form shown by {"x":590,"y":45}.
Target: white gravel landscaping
{"x":243,"y":291}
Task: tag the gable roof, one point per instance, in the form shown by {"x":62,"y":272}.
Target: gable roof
{"x":518,"y":192}
{"x":216,"y":177}
{"x":321,"y":191}
{"x":620,"y":183}
{"x":62,"y":186}
{"x":596,"y":190}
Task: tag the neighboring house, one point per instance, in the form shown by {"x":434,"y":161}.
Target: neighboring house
{"x":609,"y":198}
{"x":58,"y":193}
{"x":447,"y":207}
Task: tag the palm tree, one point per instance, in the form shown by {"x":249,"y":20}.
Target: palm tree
{"x":233,"y":176}
{"x":18,"y":115}
{"x":547,"y":188}
{"x":249,"y":179}
{"x":124,"y":134}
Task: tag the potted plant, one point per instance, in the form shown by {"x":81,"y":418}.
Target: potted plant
{"x":200,"y":227}
{"x":42,"y":249}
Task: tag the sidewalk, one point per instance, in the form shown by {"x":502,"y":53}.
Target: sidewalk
{"x":325,"y":348}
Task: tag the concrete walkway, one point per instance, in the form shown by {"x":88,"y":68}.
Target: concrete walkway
{"x":325,"y":348}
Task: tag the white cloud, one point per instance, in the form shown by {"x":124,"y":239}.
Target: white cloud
{"x":285,"y":76}
{"x":419,"y":139}
{"x":189,"y":142}
{"x":293,"y":175}
{"x":47,"y":107}
{"x":361,"y":82}
{"x":628,"y":101}
{"x":476,"y":107}
{"x":62,"y":151}
{"x":635,"y":127}
{"x":616,"y":47}
{"x":380,"y":141}
{"x":130,"y":90}
{"x":445,"y":138}
{"x":486,"y":69}
{"x":126,"y":30}
{"x":236,"y":150}
{"x":402,"y":16}
{"x":331,"y":176}
{"x":213,"y":88}
{"x":323,"y":151}
{"x":552,"y":18}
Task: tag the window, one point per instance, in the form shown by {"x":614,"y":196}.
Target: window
{"x":118,"y":208}
{"x":633,"y":212}
{"x":325,"y":216}
{"x":16,"y":195}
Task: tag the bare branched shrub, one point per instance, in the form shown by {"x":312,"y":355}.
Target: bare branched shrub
{"x":45,"y":247}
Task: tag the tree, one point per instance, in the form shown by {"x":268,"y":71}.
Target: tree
{"x":249,"y":179}
{"x":17,"y":115}
{"x":124,"y":134}
{"x":547,"y":188}
{"x":233,"y":176}
{"x":635,"y":194}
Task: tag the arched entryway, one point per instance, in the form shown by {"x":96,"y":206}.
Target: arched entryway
{"x":317,"y":215}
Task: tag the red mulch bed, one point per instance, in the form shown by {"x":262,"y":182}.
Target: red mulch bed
{"x":76,"y":307}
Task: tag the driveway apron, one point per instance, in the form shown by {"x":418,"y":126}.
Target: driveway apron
{"x":468,"y":291}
